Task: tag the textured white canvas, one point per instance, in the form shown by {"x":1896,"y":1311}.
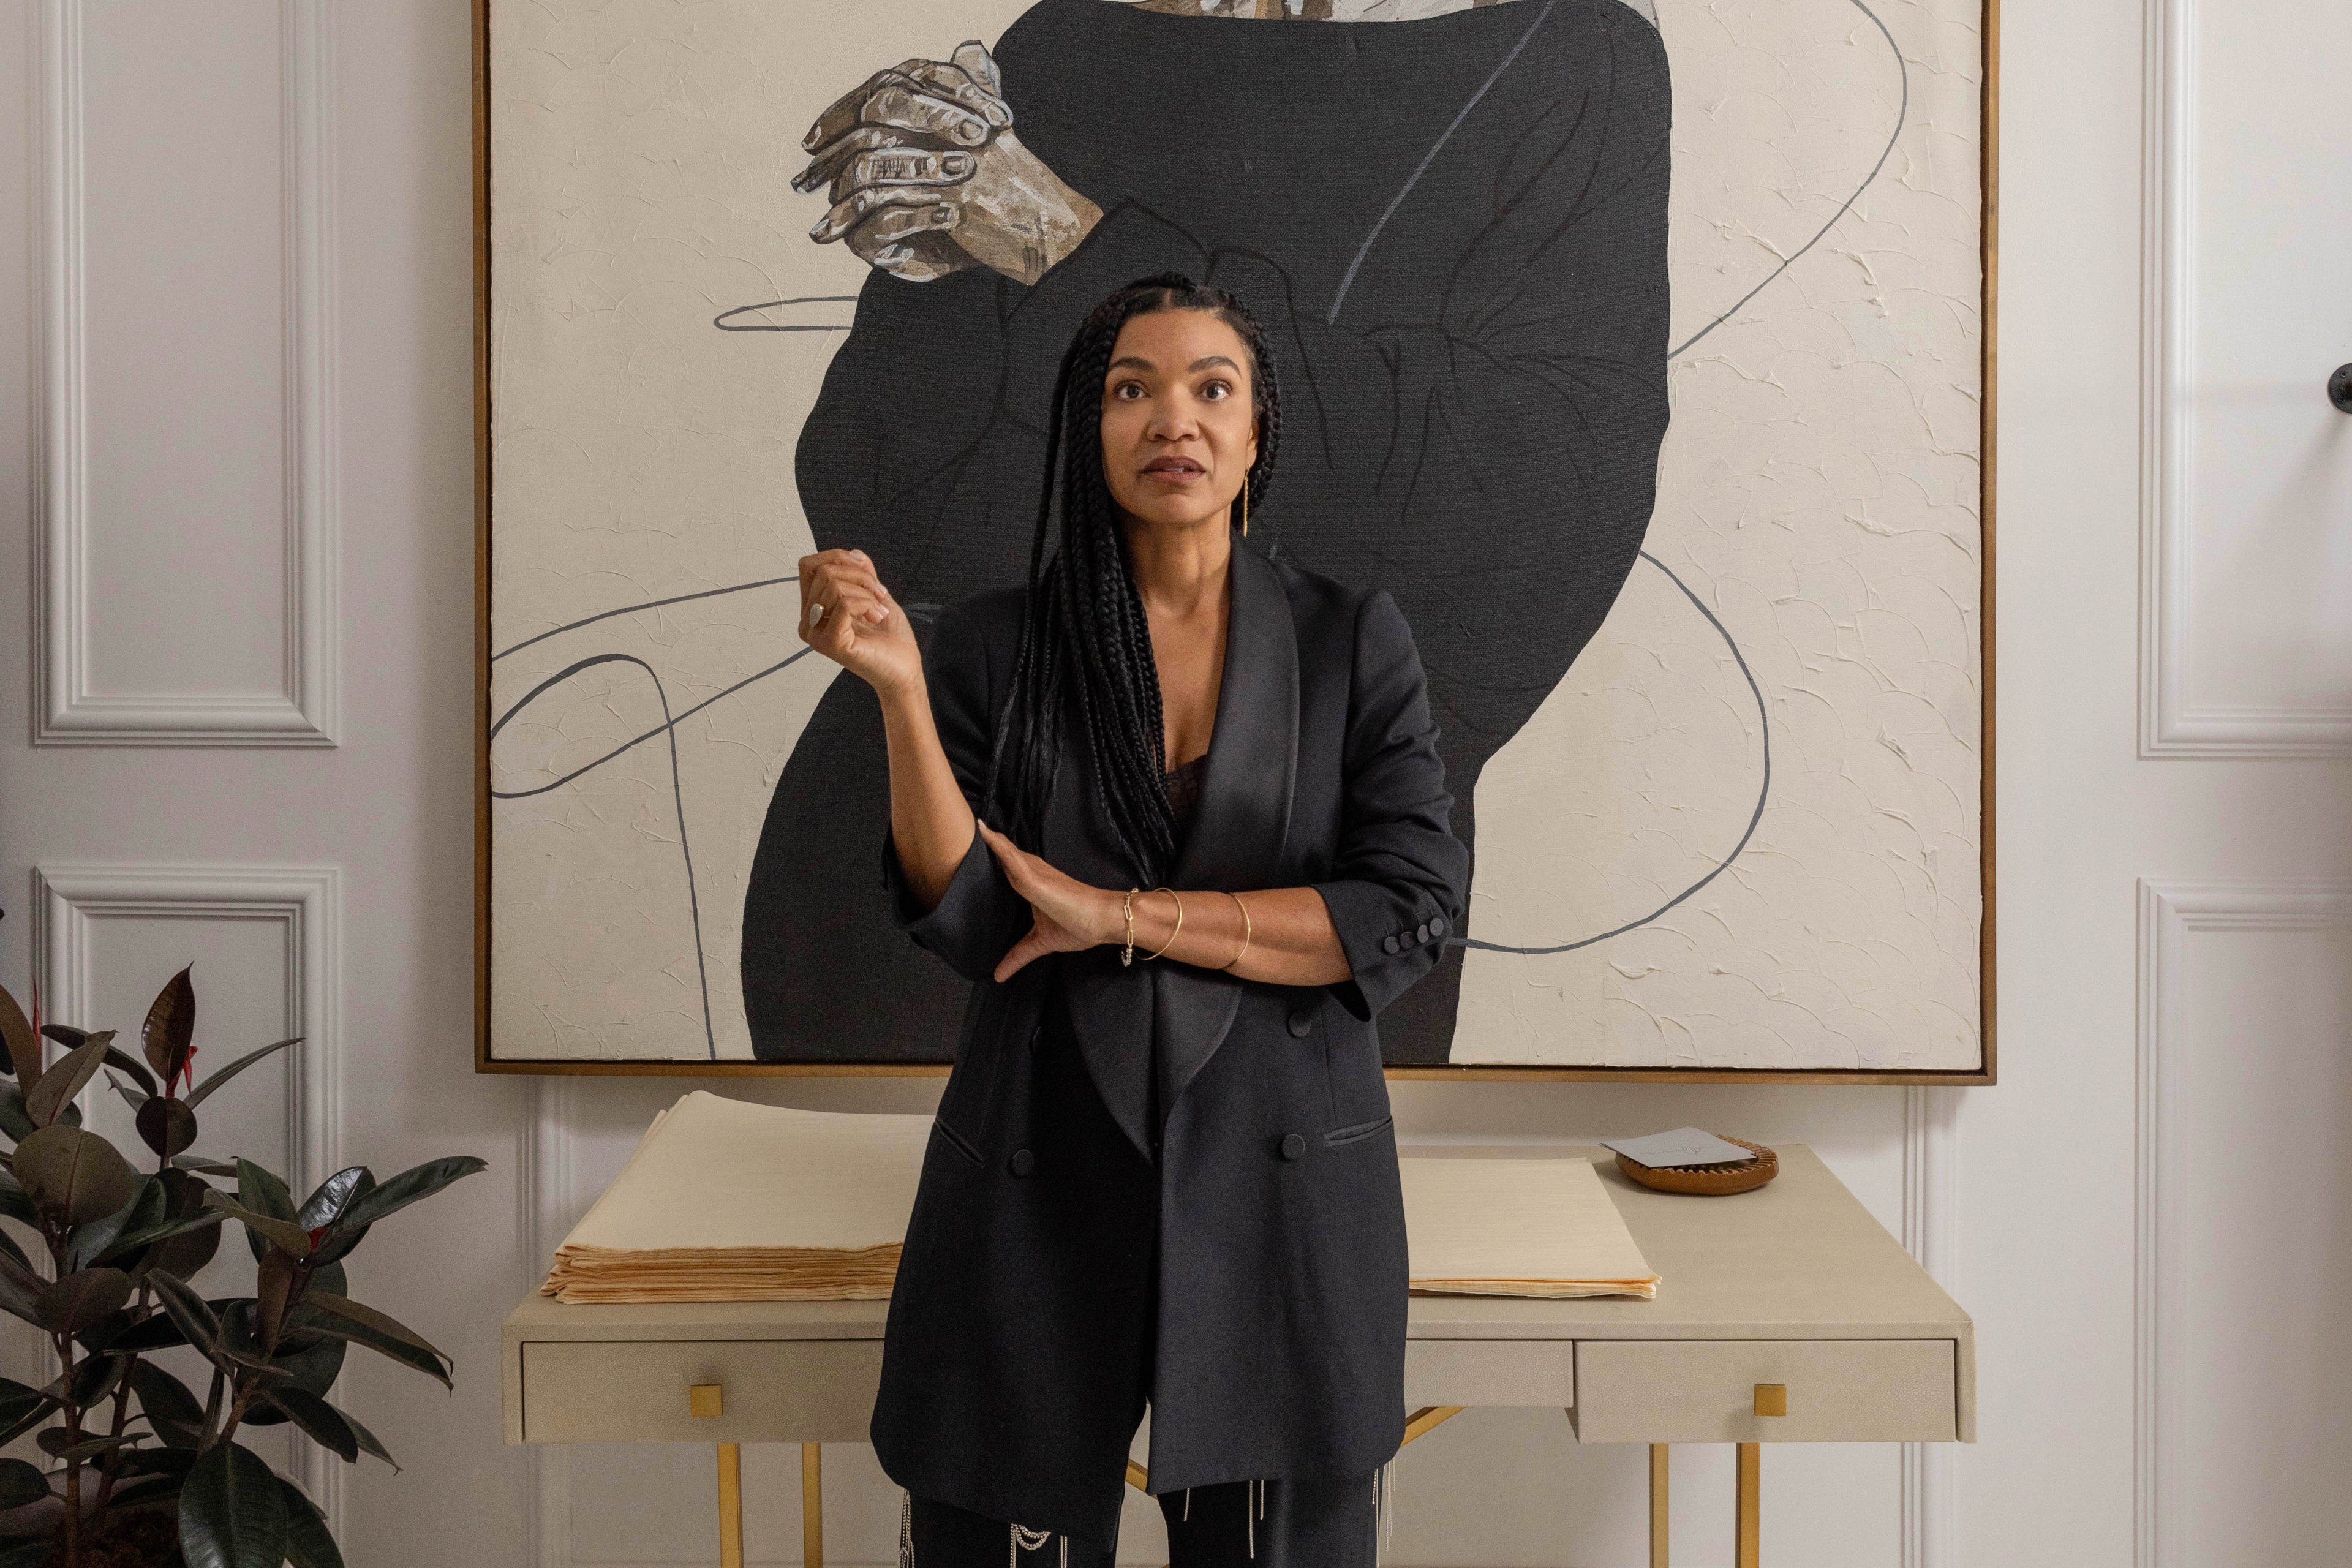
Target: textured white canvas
{"x":1811,"y":580}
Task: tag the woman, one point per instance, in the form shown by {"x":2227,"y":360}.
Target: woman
{"x":1178,"y":812}
{"x":1453,"y":226}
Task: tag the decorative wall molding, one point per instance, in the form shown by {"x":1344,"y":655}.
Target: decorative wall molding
{"x":1930,"y":1234}
{"x":2170,"y":726}
{"x":306,"y":711}
{"x":306,"y":901}
{"x":548,"y":1200}
{"x":2169,"y":913}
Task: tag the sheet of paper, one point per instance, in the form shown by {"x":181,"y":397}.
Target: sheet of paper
{"x":1683,"y":1146}
{"x":1518,"y":1227}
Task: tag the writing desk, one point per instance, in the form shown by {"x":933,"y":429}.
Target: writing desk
{"x":1786,"y":1315}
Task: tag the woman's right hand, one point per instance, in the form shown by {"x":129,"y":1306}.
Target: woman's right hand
{"x":850,"y":617}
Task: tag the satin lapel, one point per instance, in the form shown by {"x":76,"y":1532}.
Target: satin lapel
{"x":1238,"y":829}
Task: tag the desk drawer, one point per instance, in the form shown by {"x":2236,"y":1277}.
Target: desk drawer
{"x":1704,"y":1391}
{"x":634,"y":1391}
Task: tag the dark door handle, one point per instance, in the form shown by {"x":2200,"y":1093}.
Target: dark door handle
{"x":2339,"y":388}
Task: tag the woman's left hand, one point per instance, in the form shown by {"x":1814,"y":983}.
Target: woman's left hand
{"x":1070,"y":915}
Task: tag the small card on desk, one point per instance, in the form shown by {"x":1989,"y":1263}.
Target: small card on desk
{"x":1683,"y":1146}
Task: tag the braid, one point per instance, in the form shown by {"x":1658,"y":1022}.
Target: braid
{"x":1086,"y":641}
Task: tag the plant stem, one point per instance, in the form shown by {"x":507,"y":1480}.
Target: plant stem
{"x":73,"y":1466}
{"x":122,"y":1419}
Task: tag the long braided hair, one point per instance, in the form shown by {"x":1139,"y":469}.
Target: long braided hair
{"x":1086,"y":646}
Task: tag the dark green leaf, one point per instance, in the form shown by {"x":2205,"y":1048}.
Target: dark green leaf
{"x":117,"y":1057}
{"x":164,"y":1228}
{"x":53,"y":1442}
{"x":169,"y":1404}
{"x":191,"y":1250}
{"x":94,"y":1377}
{"x":283,"y":1232}
{"x":314,"y":1369}
{"x":17,"y":1402}
{"x":232,"y":1511}
{"x":92,"y":1242}
{"x":21,"y":1483}
{"x":308,"y":1543}
{"x":336,"y":1244}
{"x":405,"y":1351}
{"x":20,"y":1288}
{"x":237,"y":1067}
{"x":190,"y":1312}
{"x":205,"y":1163}
{"x":28,"y":1554}
{"x":14,"y":1121}
{"x":15,"y":1253}
{"x":16,"y":1204}
{"x":381,"y":1322}
{"x":74,"y":1174}
{"x":133,"y":1098}
{"x":65,"y":1079}
{"x":80,"y":1299}
{"x":166,"y":1126}
{"x":169,"y":1029}
{"x":157,"y":1461}
{"x":333,"y":1195}
{"x":261,"y":1191}
{"x":154,"y":1332}
{"x":418,"y":1182}
{"x":317,"y":1418}
{"x":368,"y":1442}
{"x":24,"y":1046}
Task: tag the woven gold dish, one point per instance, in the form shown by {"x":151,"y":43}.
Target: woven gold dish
{"x":1707,"y":1180}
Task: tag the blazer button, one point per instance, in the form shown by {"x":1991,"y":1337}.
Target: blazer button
{"x":1301,"y":1020}
{"x":1024,"y":1161}
{"x":1437,"y":924}
{"x":1421,"y":933}
{"x":1389,"y":944}
{"x":1294,"y":1146}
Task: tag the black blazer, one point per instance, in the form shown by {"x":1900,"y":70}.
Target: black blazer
{"x":1261,"y":1288}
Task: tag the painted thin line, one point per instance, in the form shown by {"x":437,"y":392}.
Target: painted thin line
{"x":1901,"y":114}
{"x":1764,"y":728}
{"x":1397,"y":200}
{"x":720,"y":321}
{"x":677,"y":793}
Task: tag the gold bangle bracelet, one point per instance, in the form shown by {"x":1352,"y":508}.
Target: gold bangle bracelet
{"x":1180,"y":920}
{"x":1127,"y":953}
{"x":1248,"y":931}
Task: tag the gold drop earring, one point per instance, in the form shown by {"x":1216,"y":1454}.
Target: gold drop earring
{"x":1244,"y":506}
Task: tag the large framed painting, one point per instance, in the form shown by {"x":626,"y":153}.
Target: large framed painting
{"x":1640,"y":348}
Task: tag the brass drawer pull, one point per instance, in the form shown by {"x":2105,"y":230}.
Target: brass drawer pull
{"x":702,"y":1399}
{"x":1771,"y":1399}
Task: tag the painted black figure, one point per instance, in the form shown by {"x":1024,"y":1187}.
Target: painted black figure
{"x":1456,"y":230}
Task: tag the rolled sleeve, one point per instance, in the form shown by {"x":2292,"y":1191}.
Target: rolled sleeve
{"x":1401,"y":879}
{"x":979,"y":916}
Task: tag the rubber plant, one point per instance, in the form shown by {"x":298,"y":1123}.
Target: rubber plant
{"x":143,"y":1471}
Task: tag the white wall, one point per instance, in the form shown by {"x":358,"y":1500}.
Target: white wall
{"x":269,"y":508}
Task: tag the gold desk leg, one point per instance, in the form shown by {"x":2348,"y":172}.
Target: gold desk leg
{"x":1657,"y":1505}
{"x":1751,"y":1477}
{"x":812,"y":1505}
{"x":731,"y":1505}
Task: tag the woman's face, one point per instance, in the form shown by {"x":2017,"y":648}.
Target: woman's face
{"x":1178,"y":436}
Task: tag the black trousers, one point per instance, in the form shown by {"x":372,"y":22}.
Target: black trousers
{"x":1295,"y":1521}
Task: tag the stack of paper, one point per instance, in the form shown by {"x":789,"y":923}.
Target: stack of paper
{"x":727,"y":1201}
{"x":1478,"y":1227}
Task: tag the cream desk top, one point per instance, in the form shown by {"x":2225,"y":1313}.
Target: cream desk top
{"x":1795,"y":1279}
